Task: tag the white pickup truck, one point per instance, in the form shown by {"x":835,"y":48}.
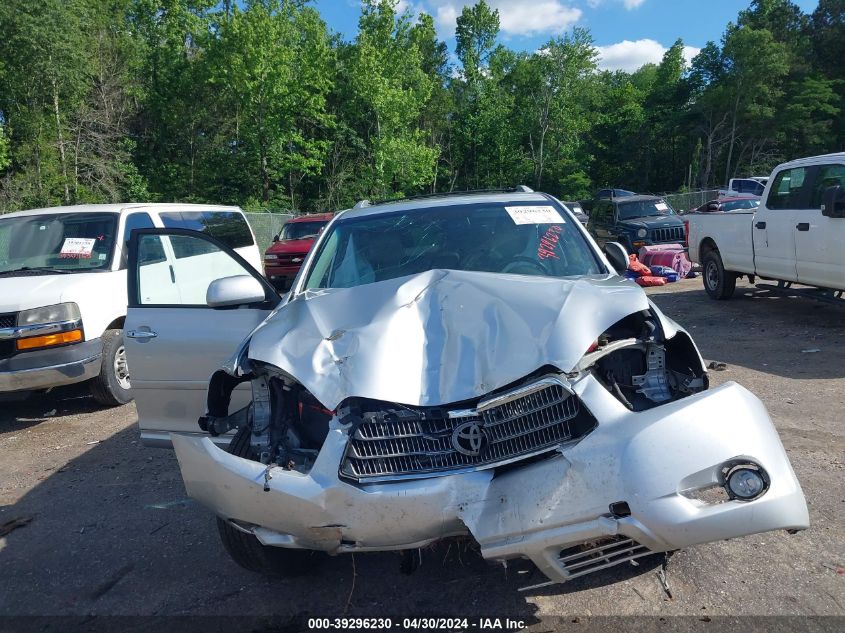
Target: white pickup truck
{"x":795,"y":235}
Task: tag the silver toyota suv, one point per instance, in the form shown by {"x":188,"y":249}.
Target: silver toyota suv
{"x":455,"y":365}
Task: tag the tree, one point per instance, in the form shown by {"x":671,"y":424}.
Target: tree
{"x":174,"y":131}
{"x":756,"y":65}
{"x":389,"y":89}
{"x":46,"y":66}
{"x":553,"y":98}
{"x":827,"y":25}
{"x":475,"y":34}
{"x":435,"y":117}
{"x":280,"y":103}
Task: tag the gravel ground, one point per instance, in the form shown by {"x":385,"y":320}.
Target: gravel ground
{"x":111,"y":531}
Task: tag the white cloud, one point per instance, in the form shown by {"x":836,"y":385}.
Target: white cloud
{"x":532,"y":18}
{"x":689,"y":53}
{"x":516,"y":17}
{"x":629,"y":56}
{"x":630,"y":5}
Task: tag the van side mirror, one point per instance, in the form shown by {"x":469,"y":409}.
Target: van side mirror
{"x":276,"y":237}
{"x":833,"y":202}
{"x":617,"y":256}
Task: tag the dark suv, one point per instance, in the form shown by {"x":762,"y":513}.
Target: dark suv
{"x":635,"y":221}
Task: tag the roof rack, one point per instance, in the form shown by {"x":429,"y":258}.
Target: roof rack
{"x":516,"y":189}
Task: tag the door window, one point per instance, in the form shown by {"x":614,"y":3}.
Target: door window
{"x":140,"y":221}
{"x":185,"y":281}
{"x":749,"y":186}
{"x":786,"y":191}
{"x":230,"y":227}
{"x":826,"y":176}
{"x":602,"y":213}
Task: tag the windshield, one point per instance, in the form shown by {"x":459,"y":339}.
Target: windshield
{"x":64,"y":242}
{"x":488,"y":237}
{"x":643,"y":209}
{"x":301,"y":230}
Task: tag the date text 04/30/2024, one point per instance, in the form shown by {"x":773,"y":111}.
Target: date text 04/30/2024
{"x":422,"y":624}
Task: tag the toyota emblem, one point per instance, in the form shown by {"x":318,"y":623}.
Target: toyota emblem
{"x":469,"y":439}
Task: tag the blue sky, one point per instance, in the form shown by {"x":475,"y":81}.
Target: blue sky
{"x":628,"y":33}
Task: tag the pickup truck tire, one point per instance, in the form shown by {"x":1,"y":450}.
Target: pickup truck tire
{"x":247,"y":551}
{"x":111,"y":387}
{"x":718,"y":282}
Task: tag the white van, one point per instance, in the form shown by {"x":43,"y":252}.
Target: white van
{"x":63,"y":288}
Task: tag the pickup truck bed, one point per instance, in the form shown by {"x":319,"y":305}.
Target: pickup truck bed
{"x":732,"y":233}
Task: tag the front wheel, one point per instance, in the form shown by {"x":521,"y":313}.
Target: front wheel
{"x":111,"y":388}
{"x":247,"y":551}
{"x":718,"y":282}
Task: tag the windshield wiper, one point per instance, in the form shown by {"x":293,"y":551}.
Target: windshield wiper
{"x":44,"y":269}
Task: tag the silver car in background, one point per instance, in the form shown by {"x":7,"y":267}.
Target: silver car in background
{"x":462,"y":365}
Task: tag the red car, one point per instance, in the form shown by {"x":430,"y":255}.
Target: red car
{"x":720,"y":205}
{"x":728,"y":204}
{"x":285,"y":256}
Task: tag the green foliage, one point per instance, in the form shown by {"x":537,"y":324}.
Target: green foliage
{"x":4,"y":149}
{"x":256,"y":103}
{"x":389,"y":89}
{"x":475,"y":34}
{"x":279,"y":102}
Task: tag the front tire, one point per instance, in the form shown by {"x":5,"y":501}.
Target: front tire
{"x":111,"y":388}
{"x":718,"y":282}
{"x":247,"y":551}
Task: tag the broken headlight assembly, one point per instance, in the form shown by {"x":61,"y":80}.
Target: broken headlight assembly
{"x":288,"y":425}
{"x":641,"y":367}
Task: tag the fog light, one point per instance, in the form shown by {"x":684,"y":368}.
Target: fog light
{"x":745,"y":484}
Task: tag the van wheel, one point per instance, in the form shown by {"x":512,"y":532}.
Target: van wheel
{"x":718,"y":282}
{"x":247,"y":551}
{"x":111,"y":388}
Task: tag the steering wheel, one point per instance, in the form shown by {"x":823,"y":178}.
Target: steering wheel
{"x":521,"y":261}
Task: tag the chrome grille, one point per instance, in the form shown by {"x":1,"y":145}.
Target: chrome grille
{"x":587,"y":558}
{"x":671,"y":234}
{"x":422,"y":443}
{"x":8,"y":320}
{"x":287,"y":259}
{"x":579,"y":561}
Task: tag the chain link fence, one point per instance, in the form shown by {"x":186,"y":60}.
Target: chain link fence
{"x":684,"y":202}
{"x":266,"y":226}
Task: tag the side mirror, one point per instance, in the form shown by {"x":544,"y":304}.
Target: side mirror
{"x":276,"y":237}
{"x":617,"y":256}
{"x":833,"y":202}
{"x":234,"y":291}
{"x":713,"y":206}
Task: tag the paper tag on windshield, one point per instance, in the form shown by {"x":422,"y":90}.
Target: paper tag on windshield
{"x":661,"y":206}
{"x":77,"y":248}
{"x":535,"y":215}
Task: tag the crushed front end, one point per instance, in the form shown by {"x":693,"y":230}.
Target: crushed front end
{"x":625,"y":454}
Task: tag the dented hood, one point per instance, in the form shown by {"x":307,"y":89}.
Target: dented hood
{"x":439,"y":337}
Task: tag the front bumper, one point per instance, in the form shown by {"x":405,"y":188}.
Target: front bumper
{"x":42,"y":369}
{"x":647,"y":459}
{"x":281,"y":272}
